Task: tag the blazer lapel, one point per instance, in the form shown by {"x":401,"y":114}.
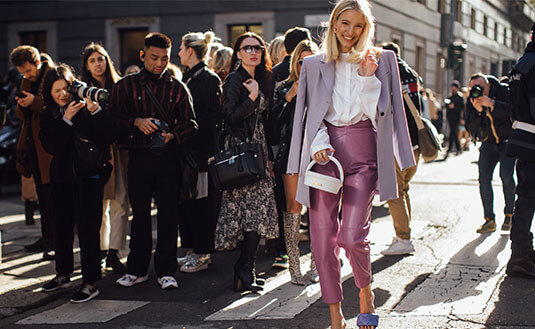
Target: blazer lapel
{"x":327,"y":74}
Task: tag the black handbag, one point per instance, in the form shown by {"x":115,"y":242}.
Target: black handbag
{"x":238,"y":165}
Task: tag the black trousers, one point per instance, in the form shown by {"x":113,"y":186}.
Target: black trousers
{"x":43,"y":196}
{"x":454,"y":134}
{"x":521,"y":236}
{"x":153,"y":175}
{"x":78,"y":203}
{"x":198,"y":220}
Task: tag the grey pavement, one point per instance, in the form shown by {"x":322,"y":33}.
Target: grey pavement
{"x":455,"y":279}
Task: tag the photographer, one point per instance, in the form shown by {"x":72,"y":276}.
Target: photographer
{"x":144,"y":104}
{"x":32,"y":158}
{"x":489,"y":121}
{"x":69,"y":127}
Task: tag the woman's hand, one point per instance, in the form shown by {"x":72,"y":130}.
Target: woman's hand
{"x":91,"y":106}
{"x":368,"y":65}
{"x":292,"y":92}
{"x":72,"y":109}
{"x":323,"y":155}
{"x":252,"y":87}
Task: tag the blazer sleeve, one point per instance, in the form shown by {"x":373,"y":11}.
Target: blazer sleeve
{"x":402,"y":141}
{"x":299,"y":119}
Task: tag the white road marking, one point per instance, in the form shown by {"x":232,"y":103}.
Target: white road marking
{"x":95,"y":311}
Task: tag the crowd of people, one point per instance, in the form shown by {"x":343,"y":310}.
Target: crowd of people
{"x":98,"y":144}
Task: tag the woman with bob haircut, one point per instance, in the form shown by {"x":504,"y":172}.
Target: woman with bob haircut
{"x":98,"y":71}
{"x":349,"y":105}
{"x":247,"y":213}
{"x":77,"y":183}
{"x":282,"y":115}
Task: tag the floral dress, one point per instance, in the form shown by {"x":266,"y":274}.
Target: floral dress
{"x":249,"y":208}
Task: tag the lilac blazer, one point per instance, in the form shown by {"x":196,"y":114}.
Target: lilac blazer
{"x":314,"y":97}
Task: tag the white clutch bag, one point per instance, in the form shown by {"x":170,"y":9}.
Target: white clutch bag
{"x":324,"y":182}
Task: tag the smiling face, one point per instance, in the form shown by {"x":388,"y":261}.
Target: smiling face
{"x":349,"y":27}
{"x":59,"y":92}
{"x":250,"y":53}
{"x":96,"y":65}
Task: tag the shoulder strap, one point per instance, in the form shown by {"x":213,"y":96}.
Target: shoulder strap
{"x":414,"y":111}
{"x":158,"y":106}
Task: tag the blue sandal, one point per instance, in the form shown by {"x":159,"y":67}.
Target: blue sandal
{"x":368,"y":319}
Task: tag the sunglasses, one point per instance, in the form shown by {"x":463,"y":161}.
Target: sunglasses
{"x":250,"y":49}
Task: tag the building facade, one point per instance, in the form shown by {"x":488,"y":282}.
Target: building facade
{"x":494,"y":31}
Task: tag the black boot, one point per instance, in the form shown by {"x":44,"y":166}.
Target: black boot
{"x":521,"y":265}
{"x":29,"y":207}
{"x":244,"y":270}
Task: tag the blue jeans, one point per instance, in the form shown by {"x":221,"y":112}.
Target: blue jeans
{"x":489,"y":156}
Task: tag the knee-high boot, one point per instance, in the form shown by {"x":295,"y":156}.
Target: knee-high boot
{"x":244,"y":269}
{"x":291,"y":237}
{"x":314,"y":277}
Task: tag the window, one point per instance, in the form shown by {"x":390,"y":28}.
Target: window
{"x":458,"y":14}
{"x":473,"y":19}
{"x":496,"y":28}
{"x":125,"y":37}
{"x":229,"y":25}
{"x":131,"y":41}
{"x":42,"y":35}
{"x":424,"y":2}
{"x":485,"y":26}
{"x":234,"y":30}
{"x":420,"y":60}
{"x":505,"y":36}
{"x":442,"y":6}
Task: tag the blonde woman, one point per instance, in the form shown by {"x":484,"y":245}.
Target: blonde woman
{"x":221,"y":60}
{"x":198,"y":218}
{"x":283,"y":115}
{"x":276,"y":50}
{"x":349,"y":105}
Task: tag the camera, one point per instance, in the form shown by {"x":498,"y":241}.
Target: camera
{"x":157,"y":141}
{"x":80,"y":90}
{"x":476,"y":91}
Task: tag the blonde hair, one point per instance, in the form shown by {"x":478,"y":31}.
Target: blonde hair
{"x":222,"y":58}
{"x":276,"y":49}
{"x":305,"y":45}
{"x":199,"y":42}
{"x":330,"y":42}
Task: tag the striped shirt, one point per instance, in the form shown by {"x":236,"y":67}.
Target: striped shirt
{"x":130,"y":101}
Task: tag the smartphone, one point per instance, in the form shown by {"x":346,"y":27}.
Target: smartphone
{"x":20,"y":94}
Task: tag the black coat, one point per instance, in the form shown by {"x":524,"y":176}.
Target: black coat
{"x":499,"y":124}
{"x":239,"y":111}
{"x":205,"y":88}
{"x":58,"y":137}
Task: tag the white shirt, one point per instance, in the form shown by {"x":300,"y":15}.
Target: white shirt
{"x":355,"y":99}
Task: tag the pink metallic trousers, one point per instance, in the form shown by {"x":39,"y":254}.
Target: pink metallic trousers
{"x":356,"y":150}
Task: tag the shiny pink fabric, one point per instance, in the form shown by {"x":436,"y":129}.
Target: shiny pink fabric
{"x":356,"y":150}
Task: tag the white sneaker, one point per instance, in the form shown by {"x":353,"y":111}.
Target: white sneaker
{"x":128,"y":280}
{"x":399,"y":247}
{"x":167,"y":282}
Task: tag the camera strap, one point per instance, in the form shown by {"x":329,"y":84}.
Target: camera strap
{"x":158,"y":106}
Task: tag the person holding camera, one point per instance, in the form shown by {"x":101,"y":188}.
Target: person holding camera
{"x":32,"y":158}
{"x":454,"y":113}
{"x":155,"y":115}
{"x":98,"y":71}
{"x":77,"y":132}
{"x":521,"y":144}
{"x":488,"y":114}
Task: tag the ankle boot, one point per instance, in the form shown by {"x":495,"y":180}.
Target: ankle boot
{"x":291,"y":238}
{"x":244,"y":269}
{"x":29,"y":207}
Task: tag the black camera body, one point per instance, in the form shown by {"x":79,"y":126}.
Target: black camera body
{"x":476,"y":91}
{"x":80,"y":90}
{"x":157,"y":141}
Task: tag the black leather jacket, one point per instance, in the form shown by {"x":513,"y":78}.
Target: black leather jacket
{"x":239,"y":111}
